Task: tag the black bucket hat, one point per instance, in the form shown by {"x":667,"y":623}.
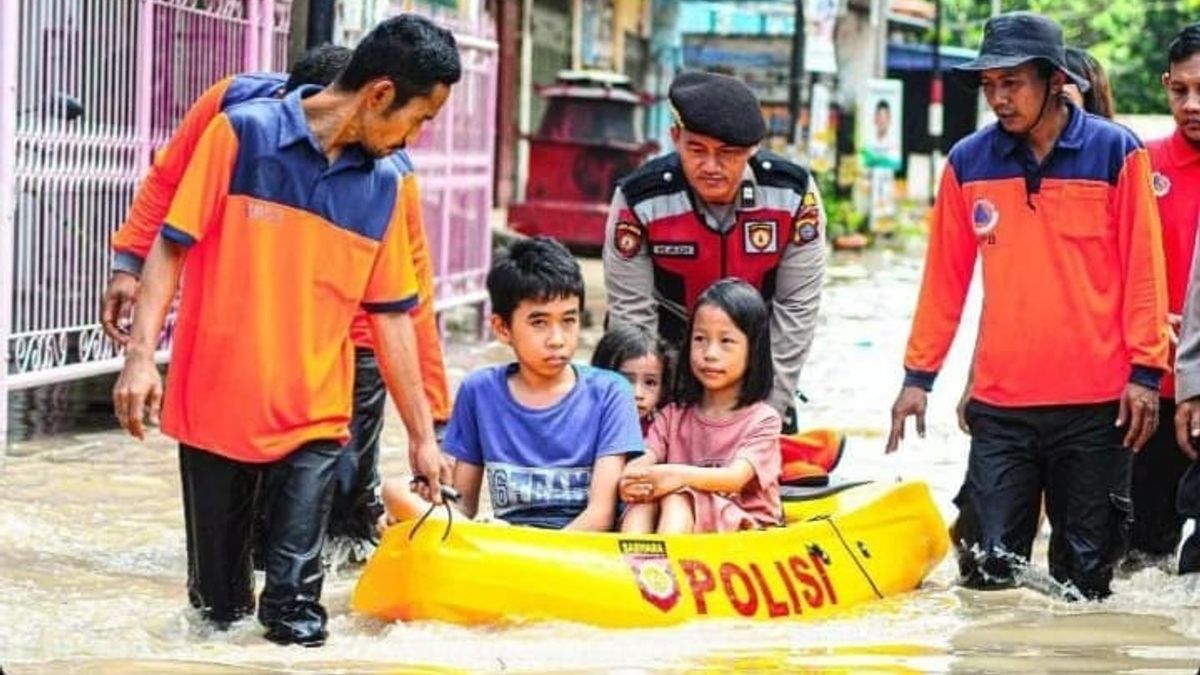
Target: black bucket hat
{"x":1014,"y":38}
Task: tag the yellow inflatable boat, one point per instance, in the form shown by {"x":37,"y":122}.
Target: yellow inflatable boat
{"x":842,"y":546}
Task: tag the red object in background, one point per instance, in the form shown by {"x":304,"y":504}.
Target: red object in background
{"x":585,"y":143}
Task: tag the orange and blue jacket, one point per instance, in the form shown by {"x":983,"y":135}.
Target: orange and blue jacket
{"x":284,"y":248}
{"x":131,"y":243}
{"x":1074,"y":299}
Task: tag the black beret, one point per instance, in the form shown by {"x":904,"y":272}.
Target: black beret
{"x":719,"y":106}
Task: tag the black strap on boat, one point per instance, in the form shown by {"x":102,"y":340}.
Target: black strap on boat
{"x":845,"y":545}
{"x":449,"y":494}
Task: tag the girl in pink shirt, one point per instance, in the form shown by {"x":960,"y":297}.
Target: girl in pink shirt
{"x":712,"y":459}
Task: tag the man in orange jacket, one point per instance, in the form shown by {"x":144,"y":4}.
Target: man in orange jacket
{"x":1072,"y":344}
{"x":289,"y":220}
{"x":1175,"y":160}
{"x":356,"y":504}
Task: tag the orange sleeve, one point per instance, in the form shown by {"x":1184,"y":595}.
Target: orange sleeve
{"x":392,"y":286}
{"x":1140,"y":244}
{"x":429,"y":343}
{"x":154,"y":195}
{"x":200,"y":200}
{"x":949,"y":264}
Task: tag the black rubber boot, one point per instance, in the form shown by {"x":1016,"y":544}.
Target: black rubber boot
{"x":298,"y":490}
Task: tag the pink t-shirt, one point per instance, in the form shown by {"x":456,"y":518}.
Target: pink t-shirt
{"x":683,"y":435}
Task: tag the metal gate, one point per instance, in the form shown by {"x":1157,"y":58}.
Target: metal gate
{"x":88,"y":88}
{"x":455,"y":157}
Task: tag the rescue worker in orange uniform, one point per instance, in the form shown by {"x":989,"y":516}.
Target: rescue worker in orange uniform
{"x":356,"y":505}
{"x":1072,"y":341}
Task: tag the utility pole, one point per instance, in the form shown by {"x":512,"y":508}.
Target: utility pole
{"x":320,"y":23}
{"x":796,"y":73}
{"x":935,"y":99}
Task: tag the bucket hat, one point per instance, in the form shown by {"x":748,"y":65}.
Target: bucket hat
{"x":1015,"y":38}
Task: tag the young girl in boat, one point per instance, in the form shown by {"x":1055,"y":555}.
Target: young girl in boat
{"x":712,"y":459}
{"x":644,"y":359}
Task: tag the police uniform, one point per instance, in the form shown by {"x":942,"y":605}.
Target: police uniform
{"x":664,"y":246}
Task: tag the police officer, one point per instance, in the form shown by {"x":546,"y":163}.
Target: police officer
{"x":718,"y":207}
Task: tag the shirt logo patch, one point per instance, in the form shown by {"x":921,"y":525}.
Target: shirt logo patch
{"x":761,"y":237}
{"x":674,"y":250}
{"x":263,"y":212}
{"x":1160,"y":183}
{"x":627,"y":239}
{"x":984,"y":217}
{"x":805,"y":230}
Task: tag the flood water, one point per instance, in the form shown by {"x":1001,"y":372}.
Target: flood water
{"x":92,"y":560}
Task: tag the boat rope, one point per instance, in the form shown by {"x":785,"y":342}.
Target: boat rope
{"x":866,"y":575}
{"x":449,"y":494}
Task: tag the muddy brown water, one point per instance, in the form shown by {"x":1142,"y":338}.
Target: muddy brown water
{"x":92,"y":560}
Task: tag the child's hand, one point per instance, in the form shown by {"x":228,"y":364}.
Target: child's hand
{"x":647,"y":483}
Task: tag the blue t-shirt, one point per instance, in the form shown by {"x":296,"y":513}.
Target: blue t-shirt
{"x":538,"y":462}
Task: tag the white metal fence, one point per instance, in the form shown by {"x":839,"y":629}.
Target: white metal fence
{"x":87,"y":89}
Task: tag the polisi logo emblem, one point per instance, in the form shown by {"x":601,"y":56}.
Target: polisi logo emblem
{"x":651,"y":567}
{"x":1160,"y":183}
{"x":984,"y":217}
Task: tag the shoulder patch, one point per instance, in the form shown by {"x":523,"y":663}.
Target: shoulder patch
{"x":657,"y":177}
{"x":806,"y":229}
{"x":627,"y":239}
{"x":777,"y":171}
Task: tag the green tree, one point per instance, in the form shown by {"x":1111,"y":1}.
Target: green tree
{"x":1129,"y":37}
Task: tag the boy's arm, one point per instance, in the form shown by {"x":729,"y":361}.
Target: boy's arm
{"x":601,"y":508}
{"x":468,"y":478}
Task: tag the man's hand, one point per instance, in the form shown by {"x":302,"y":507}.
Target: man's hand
{"x":909,"y":402}
{"x":647,"y":483}
{"x":1187,"y":427}
{"x":1174,"y":326}
{"x":117,"y":306}
{"x":1139,"y":407}
{"x":961,"y":410}
{"x":430,"y":470}
{"x":138,"y":391}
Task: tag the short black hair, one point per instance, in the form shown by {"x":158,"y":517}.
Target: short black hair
{"x":319,"y":65}
{"x":1185,"y":43}
{"x":410,"y":50}
{"x":629,"y":341}
{"x":538,"y":269}
{"x":748,"y":311}
{"x":883,"y":105}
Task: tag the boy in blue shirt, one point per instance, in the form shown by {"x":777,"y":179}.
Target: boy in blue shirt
{"x":551,"y":436}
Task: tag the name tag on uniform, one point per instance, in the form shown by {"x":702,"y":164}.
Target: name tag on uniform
{"x":674,"y":250}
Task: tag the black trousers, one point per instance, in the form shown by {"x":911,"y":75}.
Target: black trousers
{"x":1188,"y":504}
{"x":1071,"y":454}
{"x":356,"y":501}
{"x":1157,"y":469}
{"x":220,"y":497}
